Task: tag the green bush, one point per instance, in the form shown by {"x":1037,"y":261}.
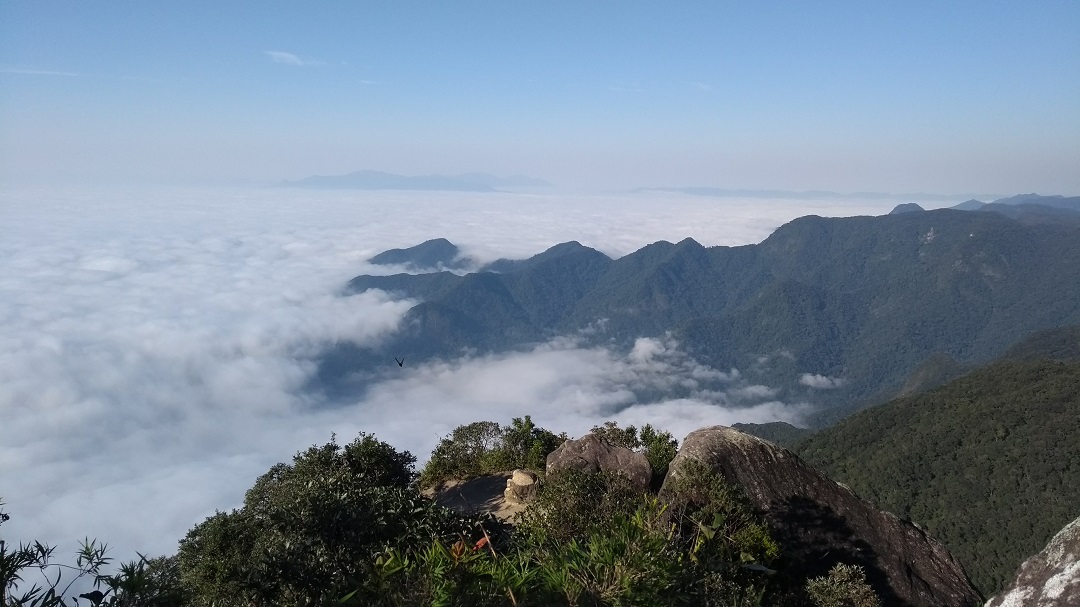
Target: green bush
{"x":571,"y":504}
{"x":845,"y":586}
{"x":483,"y":448}
{"x":309,"y":532}
{"x":461,"y":573}
{"x":728,"y":546}
{"x":628,"y":561}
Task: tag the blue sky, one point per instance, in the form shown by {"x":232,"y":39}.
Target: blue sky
{"x":940,"y":97}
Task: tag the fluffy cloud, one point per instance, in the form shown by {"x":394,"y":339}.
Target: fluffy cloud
{"x":820,"y":382}
{"x":157,"y":345}
{"x":566,"y":388}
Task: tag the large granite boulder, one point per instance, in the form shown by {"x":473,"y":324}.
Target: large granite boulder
{"x":820,"y":523}
{"x":1050,"y":578}
{"x":591,"y":453}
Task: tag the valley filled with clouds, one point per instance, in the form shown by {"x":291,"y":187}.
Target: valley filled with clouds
{"x":159,"y":346}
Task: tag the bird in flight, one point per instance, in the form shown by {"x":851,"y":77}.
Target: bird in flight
{"x":400,"y":361}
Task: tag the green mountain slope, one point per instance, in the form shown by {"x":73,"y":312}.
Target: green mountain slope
{"x":989,"y":463}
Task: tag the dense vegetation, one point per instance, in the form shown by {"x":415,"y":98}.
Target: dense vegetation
{"x":346,"y":525}
{"x":989,"y":464}
{"x":487,"y":448}
{"x":864,"y":299}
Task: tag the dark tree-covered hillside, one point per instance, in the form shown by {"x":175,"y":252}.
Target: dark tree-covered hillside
{"x":989,"y":463}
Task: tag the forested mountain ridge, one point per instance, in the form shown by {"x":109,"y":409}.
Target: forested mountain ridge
{"x":988,"y":463}
{"x":864,"y":300}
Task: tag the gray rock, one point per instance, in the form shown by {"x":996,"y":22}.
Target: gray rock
{"x":1050,"y":578}
{"x":521,"y":487}
{"x":819,"y":523}
{"x":591,"y":453}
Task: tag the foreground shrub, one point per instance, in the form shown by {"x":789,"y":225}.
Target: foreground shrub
{"x":845,"y":586}
{"x":309,"y":532}
{"x":571,"y":504}
{"x":461,"y":573}
{"x":628,"y":561}
{"x":728,"y":546}
{"x":141,"y":583}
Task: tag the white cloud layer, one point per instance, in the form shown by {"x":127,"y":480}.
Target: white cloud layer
{"x":157,"y":344}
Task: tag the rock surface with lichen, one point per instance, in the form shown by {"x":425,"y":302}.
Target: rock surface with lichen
{"x":1050,"y":578}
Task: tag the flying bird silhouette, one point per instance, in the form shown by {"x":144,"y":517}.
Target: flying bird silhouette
{"x":400,"y":361}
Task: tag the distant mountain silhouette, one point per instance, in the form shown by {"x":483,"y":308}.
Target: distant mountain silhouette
{"x":436,"y":254}
{"x":866,"y":300}
{"x":377,"y":180}
{"x":1032,"y":213}
{"x":970,"y":205}
{"x":1056,"y":201}
{"x":907,"y":207}
{"x":1061,"y":202}
{"x":798,"y":195}
{"x":778,"y":433}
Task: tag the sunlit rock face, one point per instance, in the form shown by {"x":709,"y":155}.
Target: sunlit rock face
{"x":820,"y":523}
{"x":1050,"y":578}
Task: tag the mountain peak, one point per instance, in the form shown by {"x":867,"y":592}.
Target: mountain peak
{"x":434,"y":253}
{"x":907,"y":207}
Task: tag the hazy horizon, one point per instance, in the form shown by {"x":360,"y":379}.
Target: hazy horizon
{"x":953,"y":98}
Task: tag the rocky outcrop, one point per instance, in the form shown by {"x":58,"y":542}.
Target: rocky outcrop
{"x":480,"y":495}
{"x":1050,"y":578}
{"x":820,"y":523}
{"x":591,"y":453}
{"x":521,"y":487}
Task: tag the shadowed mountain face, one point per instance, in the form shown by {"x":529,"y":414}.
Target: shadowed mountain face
{"x":827,"y":311}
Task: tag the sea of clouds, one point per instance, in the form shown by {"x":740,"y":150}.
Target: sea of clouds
{"x":158,"y":345}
